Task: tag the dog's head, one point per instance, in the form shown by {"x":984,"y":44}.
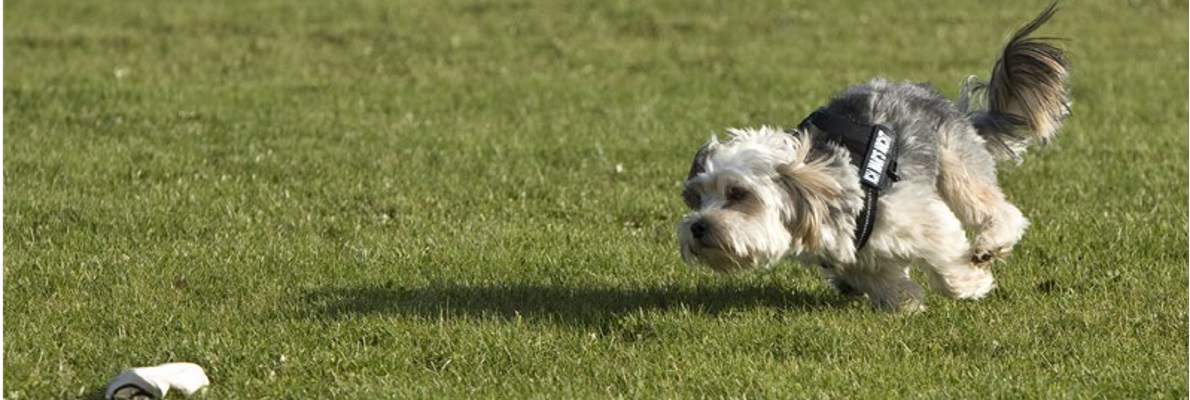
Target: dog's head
{"x":756,"y":198}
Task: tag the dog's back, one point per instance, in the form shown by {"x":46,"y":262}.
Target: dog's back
{"x":916,"y":112}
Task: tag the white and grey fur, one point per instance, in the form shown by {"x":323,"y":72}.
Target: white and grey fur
{"x":768,"y":194}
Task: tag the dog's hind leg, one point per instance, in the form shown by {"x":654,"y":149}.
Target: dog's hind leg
{"x":940,"y":247}
{"x":952,"y":272}
{"x":967,"y":183}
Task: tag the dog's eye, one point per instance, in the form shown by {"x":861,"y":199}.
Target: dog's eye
{"x":736,"y":193}
{"x":691,"y":198}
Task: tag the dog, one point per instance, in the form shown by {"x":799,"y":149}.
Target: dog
{"x":920,"y":176}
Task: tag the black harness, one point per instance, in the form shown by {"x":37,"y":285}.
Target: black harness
{"x":874,"y":151}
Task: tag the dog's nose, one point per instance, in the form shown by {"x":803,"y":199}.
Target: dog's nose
{"x":698,"y":229}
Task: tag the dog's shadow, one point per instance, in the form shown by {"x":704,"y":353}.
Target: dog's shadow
{"x":556,"y":303}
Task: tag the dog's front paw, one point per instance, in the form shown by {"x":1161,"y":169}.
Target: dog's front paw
{"x":844,"y":288}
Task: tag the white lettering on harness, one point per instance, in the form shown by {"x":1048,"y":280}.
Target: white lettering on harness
{"x":877,"y":158}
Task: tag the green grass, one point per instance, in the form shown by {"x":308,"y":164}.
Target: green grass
{"x":449,"y":199}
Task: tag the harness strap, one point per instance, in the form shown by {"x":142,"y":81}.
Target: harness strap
{"x":866,"y":218}
{"x":874,"y":152}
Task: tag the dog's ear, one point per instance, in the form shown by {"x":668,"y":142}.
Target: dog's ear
{"x":811,"y":190}
{"x":700,"y":159}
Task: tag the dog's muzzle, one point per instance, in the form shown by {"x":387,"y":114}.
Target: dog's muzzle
{"x":703,"y":243}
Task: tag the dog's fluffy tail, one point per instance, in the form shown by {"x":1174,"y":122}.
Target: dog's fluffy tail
{"x":1026,"y":99}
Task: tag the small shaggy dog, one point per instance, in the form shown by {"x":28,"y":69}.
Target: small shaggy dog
{"x":885,"y":176}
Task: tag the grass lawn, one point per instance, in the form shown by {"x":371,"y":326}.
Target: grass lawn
{"x":477,"y":199}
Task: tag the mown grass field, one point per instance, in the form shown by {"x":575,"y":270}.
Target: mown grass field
{"x":477,"y":199}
